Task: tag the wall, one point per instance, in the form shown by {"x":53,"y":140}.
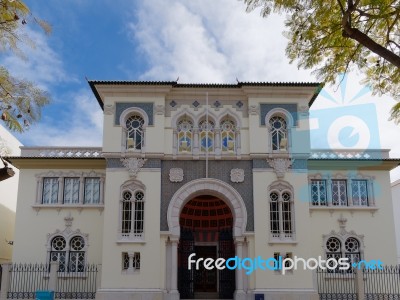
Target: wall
{"x":9,"y":146}
{"x":396,"y":213}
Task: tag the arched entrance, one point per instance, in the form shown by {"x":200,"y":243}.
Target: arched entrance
{"x":206,"y":230}
{"x":189,"y":191}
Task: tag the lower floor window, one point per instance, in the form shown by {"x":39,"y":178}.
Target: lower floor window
{"x":70,"y":259}
{"x":348,"y":248}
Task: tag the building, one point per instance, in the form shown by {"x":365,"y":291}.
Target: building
{"x":220,"y":170}
{"x":9,"y":145}
{"x":396,"y":212}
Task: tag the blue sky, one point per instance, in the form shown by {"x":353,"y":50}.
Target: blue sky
{"x":197,"y":40}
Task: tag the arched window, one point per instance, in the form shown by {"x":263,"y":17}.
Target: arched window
{"x":185,"y":134}
{"x":59,"y":252}
{"x":228,"y":135}
{"x":278,"y":131}
{"x":343,"y":247}
{"x":72,"y":257}
{"x":281,"y":214}
{"x":206,"y":135}
{"x":135,"y":134}
{"x":132,"y":214}
{"x":76,"y":254}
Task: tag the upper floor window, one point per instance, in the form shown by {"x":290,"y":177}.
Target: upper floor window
{"x":278,"y":131}
{"x":185,"y":135}
{"x":135,"y":133}
{"x":50,"y":191}
{"x":228,"y":135}
{"x":92,"y":190}
{"x":281,"y":213}
{"x":340,"y":192}
{"x":70,"y":188}
{"x":206,"y":135}
{"x":132,"y":212}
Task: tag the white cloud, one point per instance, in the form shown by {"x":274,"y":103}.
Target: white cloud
{"x":81,"y":125}
{"x":211,"y":41}
{"x":42,"y":64}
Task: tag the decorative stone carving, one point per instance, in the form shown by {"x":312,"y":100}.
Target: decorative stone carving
{"x":133,"y":165}
{"x":159,"y":109}
{"x":237,"y":175}
{"x":109,"y":109}
{"x":254,"y":110}
{"x":176,"y":175}
{"x":280,"y":165}
{"x":68,"y":220}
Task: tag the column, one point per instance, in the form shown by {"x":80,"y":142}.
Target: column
{"x":196,"y":142}
{"x":329,"y":190}
{"x":39,"y":189}
{"x":175,"y":142}
{"x":60,"y":190}
{"x":217,"y":144}
{"x":5,"y":281}
{"x":81,"y":189}
{"x":239,"y":293}
{"x":238,"y":142}
{"x":102,"y":179}
{"x":174,"y":294}
{"x":144,"y":141}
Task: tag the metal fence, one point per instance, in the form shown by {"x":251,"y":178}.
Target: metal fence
{"x":77,"y":285}
{"x":382,"y":283}
{"x":23,"y":280}
{"x":366,"y":284}
{"x":336,"y":285}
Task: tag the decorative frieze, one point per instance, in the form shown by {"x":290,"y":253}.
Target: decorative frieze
{"x":176,"y":175}
{"x":159,"y":109}
{"x":280,"y":165}
{"x":237,"y":175}
{"x":109,"y":109}
{"x":133,"y":165}
{"x":254,"y":110}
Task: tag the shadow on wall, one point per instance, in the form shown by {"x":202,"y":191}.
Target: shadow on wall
{"x":7,"y":225}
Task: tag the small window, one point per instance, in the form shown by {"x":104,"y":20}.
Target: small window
{"x":130,"y":261}
{"x":77,"y":255}
{"x":318,"y":192}
{"x":58,"y":252}
{"x":71,"y":190}
{"x":92,"y":190}
{"x":50,"y":191}
{"x":274,"y":214}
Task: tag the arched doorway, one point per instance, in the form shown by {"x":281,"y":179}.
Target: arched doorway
{"x":205,"y":229}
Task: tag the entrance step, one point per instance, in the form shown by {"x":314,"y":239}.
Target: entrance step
{"x":209,"y":296}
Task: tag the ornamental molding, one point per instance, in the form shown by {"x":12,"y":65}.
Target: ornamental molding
{"x":133,"y":165}
{"x":69,"y":174}
{"x":237,"y":175}
{"x":254,"y":110}
{"x":176,"y":175}
{"x":280,"y":186}
{"x":109,"y":109}
{"x":133,"y":185}
{"x":68,"y":220}
{"x":280,"y":165}
{"x":159,"y":109}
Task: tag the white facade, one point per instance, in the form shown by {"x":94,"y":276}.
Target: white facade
{"x":211,"y":169}
{"x":396,"y":212}
{"x":9,"y":145}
